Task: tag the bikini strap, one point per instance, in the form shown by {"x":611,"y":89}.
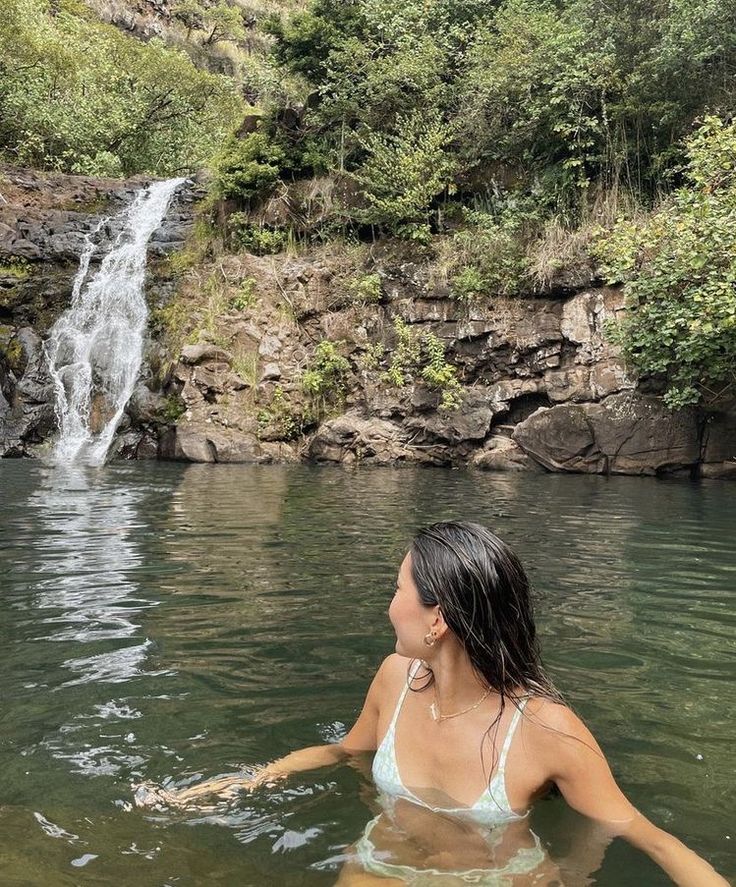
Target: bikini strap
{"x":412,"y":674}
{"x":510,"y":734}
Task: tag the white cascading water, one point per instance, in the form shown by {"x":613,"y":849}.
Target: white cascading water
{"x":95,"y":348}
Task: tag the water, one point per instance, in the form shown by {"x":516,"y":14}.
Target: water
{"x":95,"y":348}
{"x":165,"y":622}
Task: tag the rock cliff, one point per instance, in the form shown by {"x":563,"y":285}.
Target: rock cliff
{"x":540,"y":386}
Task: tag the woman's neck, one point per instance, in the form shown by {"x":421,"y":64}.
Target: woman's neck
{"x":456,"y":682}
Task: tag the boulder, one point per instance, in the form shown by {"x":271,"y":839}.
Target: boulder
{"x":204,"y":351}
{"x":503,"y":454}
{"x":186,"y":444}
{"x":269,"y":346}
{"x":144,"y":405}
{"x":350,"y":437}
{"x":147,"y":447}
{"x":234,"y":446}
{"x":471,"y":422}
{"x":211,"y":377}
{"x":27,"y":413}
{"x":271,"y":373}
{"x":627,"y":433}
{"x":190,"y":443}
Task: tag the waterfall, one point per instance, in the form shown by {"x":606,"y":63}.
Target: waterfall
{"x":95,"y":348}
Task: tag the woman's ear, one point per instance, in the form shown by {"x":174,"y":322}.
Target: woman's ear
{"x":439,"y":626}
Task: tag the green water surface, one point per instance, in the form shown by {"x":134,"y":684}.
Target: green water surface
{"x":165,"y":621}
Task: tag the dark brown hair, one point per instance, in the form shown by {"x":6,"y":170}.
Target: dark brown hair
{"x":485,"y":597}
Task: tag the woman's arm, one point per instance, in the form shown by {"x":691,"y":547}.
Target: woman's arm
{"x":575,"y":762}
{"x":361,"y":738}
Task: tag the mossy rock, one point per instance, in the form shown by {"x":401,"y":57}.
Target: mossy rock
{"x":12,"y":272}
{"x":11,"y":353}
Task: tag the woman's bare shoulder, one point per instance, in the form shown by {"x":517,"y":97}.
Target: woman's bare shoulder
{"x":553,"y":729}
{"x":549,"y":716}
{"x":394,"y":668}
{"x":391,"y":675}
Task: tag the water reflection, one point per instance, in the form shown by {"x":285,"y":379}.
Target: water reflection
{"x":83,"y":553}
{"x":81,"y":560}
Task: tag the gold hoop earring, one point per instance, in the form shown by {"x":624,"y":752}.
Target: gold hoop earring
{"x":430,"y":639}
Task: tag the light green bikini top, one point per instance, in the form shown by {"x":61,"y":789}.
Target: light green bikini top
{"x":492,"y":806}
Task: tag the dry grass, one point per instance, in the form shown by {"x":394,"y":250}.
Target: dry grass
{"x":556,"y":251}
{"x":560,"y":251}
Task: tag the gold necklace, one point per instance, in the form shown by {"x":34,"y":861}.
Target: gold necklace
{"x":438,"y":716}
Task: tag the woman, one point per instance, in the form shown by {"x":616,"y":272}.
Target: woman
{"x":468,"y":732}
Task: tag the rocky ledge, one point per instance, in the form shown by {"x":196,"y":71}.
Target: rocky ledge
{"x":540,"y":386}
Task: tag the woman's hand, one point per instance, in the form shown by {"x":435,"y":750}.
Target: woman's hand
{"x":361,"y":738}
{"x":148,"y":794}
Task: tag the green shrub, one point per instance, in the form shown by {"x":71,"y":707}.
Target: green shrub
{"x":406,"y":356}
{"x":489,"y":257}
{"x":422,"y":354}
{"x":469,"y":285}
{"x":326,"y":376}
{"x":372,"y":355}
{"x":366,"y":288}
{"x":280,"y":421}
{"x":247,"y":167}
{"x":245,"y":297}
{"x":200,"y":243}
{"x":404,"y":171}
{"x":257,"y":239}
{"x":171,"y":322}
{"x":12,"y":353}
{"x":18,"y":270}
{"x":173,"y":409}
{"x":679,"y":270}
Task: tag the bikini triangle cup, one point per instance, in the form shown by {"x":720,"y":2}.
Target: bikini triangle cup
{"x":491,"y":807}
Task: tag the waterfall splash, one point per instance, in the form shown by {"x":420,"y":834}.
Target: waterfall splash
{"x":95,"y":348}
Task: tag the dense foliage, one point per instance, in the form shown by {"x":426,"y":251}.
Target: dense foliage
{"x":504,"y":125}
{"x":80,"y":96}
{"x":503,"y":121}
{"x":679,"y":266}
{"x":427,"y":98}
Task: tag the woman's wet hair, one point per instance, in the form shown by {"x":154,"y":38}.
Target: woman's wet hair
{"x":485,"y":597}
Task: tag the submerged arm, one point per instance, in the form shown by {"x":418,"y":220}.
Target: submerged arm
{"x":361,"y":738}
{"x":578,"y":767}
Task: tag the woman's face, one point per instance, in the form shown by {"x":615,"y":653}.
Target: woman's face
{"x":411,"y":619}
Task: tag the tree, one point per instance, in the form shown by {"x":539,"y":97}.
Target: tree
{"x":679,"y":271}
{"x":402,"y":173}
{"x":191,"y":13}
{"x":224,"y":22}
{"x":80,"y":96}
